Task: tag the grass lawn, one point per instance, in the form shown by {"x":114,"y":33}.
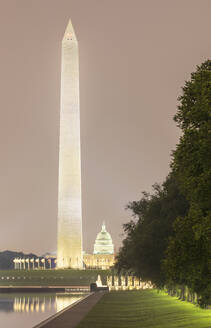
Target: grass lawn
{"x":51,"y":277}
{"x":145,"y":309}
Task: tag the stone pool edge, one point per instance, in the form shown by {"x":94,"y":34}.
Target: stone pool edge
{"x":52,"y":317}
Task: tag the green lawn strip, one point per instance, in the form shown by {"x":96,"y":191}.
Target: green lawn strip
{"x":50,"y":277}
{"x":145,"y":309}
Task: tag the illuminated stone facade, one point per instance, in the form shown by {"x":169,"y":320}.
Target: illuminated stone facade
{"x":103,"y":243}
{"x":103,"y":256}
{"x":99,"y":261}
{"x":69,"y":250}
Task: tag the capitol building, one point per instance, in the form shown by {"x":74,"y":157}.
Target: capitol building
{"x":103,"y":254}
{"x":102,"y":258}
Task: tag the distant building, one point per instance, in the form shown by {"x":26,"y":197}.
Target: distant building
{"x":103,"y":256}
{"x":103,"y":243}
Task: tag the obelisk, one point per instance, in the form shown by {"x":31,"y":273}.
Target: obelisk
{"x":69,"y":251}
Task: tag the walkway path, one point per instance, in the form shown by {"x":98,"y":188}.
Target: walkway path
{"x":70,"y":317}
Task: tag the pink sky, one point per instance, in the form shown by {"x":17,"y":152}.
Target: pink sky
{"x":134,"y":58}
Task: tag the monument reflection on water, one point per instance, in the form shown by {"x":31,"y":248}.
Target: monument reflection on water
{"x":36,"y":303}
{"x":40,"y":303}
{"x":25,"y":310}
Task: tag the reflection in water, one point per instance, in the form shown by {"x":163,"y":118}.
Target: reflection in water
{"x":27,"y":310}
{"x":36,"y":303}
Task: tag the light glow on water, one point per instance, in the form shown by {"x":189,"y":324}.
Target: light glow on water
{"x":26,"y":310}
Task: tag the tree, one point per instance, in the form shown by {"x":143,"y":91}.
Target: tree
{"x":192,"y":157}
{"x":171,"y":240}
{"x":146,"y":239}
{"x":7,"y":257}
{"x":188,"y":257}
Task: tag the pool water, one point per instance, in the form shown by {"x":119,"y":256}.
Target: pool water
{"x":24,"y":310}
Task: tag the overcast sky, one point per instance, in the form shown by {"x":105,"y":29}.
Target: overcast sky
{"x":134,"y":58}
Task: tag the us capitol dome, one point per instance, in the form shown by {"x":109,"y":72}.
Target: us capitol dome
{"x":103,"y":254}
{"x":103,"y":243}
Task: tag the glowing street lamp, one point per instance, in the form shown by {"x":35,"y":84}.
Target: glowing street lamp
{"x":19,"y":263}
{"x":38,"y":262}
{"x":16,"y":263}
{"x":32,"y":261}
{"x":27,"y":261}
{"x":24,"y":264}
{"x":43,"y":261}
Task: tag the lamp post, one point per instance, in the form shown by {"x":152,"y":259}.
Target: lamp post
{"x":27,"y":261}
{"x":19,"y":262}
{"x":32,"y":261}
{"x":14,"y":261}
{"x":24,"y":263}
{"x":43,"y":261}
{"x":38,"y":262}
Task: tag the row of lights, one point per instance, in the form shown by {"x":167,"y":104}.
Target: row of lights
{"x":24,"y":263}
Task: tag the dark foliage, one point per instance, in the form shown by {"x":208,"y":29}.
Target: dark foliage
{"x":170,"y":242}
{"x":6,"y":258}
{"x":189,"y":252}
{"x":146,"y":239}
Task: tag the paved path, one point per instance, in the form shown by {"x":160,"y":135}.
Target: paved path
{"x":70,"y":317}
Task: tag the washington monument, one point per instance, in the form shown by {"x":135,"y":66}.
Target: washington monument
{"x":69,"y":252}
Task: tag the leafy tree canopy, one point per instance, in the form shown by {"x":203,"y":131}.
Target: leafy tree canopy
{"x":192,"y":157}
{"x":168,"y":241}
{"x":147,"y":234}
{"x":188,"y":259}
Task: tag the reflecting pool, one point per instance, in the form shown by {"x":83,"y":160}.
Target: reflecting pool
{"x":26,"y":310}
